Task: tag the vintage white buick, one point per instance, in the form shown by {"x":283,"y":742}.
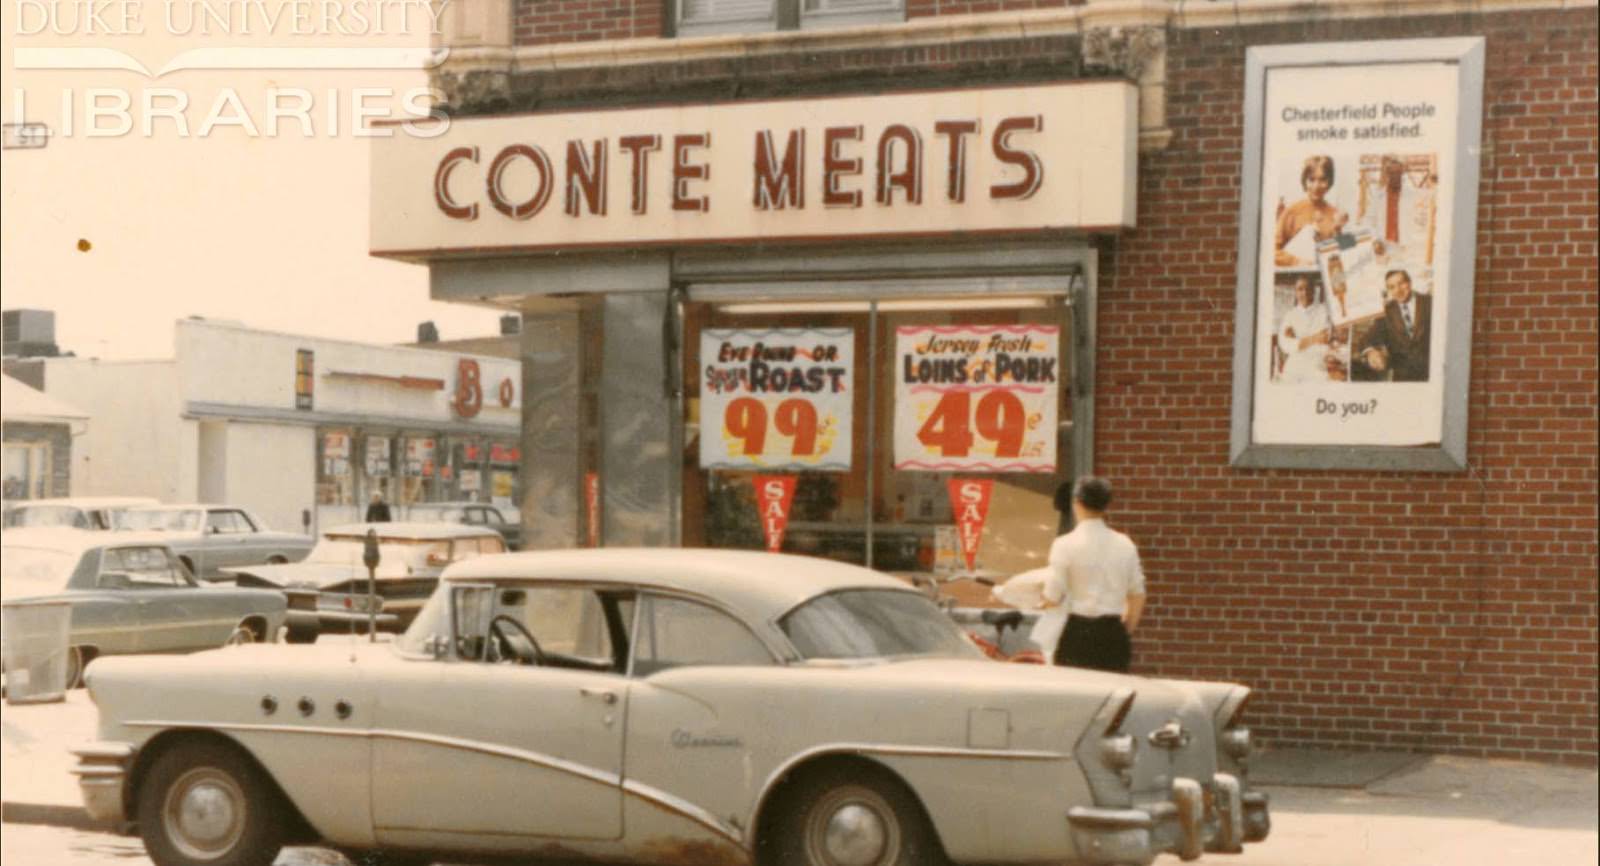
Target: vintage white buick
{"x":665,"y":706}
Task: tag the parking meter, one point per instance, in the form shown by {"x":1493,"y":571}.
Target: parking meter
{"x":369,"y":558}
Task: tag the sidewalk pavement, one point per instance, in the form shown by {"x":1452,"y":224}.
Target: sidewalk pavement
{"x":37,"y":787}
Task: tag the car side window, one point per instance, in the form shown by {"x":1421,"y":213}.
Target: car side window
{"x":568,"y":622}
{"x":675,"y":632}
{"x":225,"y":522}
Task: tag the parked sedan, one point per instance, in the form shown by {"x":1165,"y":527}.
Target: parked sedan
{"x":411,"y":556}
{"x":470,"y":514}
{"x":83,"y":512}
{"x":130,"y":594}
{"x":208,"y":537}
{"x":668,"y":706}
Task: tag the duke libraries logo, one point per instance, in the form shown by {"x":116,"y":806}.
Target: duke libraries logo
{"x":219,"y":36}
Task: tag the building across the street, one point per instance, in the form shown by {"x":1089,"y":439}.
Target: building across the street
{"x":303,"y":430}
{"x":1313,"y":283}
{"x":38,"y":431}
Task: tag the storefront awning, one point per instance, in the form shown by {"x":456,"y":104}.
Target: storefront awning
{"x":230,"y":412}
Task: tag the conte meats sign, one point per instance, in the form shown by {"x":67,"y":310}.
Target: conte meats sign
{"x":999,"y":160}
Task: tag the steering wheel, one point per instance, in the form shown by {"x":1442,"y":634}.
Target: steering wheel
{"x":515,"y":644}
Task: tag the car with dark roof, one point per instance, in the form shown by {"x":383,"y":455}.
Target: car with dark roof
{"x":129,"y":593}
{"x":469,"y":514}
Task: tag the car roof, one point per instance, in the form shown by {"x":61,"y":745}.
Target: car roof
{"x":188,"y":506}
{"x":761,"y":585}
{"x":89,"y":502}
{"x":70,"y":539}
{"x":406,"y":531}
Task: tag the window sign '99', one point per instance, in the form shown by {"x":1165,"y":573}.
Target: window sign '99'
{"x":976,"y":398}
{"x":776,"y":398}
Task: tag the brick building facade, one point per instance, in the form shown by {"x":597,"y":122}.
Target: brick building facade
{"x":1438,"y":611}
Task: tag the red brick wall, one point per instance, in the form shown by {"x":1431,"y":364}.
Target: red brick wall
{"x":1374,"y":609}
{"x":542,"y":22}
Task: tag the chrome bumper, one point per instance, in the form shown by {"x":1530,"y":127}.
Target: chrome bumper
{"x":1195,"y":819}
{"x":102,"y":771}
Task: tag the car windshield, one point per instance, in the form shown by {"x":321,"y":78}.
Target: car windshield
{"x":433,"y":619}
{"x":159,"y":519}
{"x":30,"y":571}
{"x":393,"y":553}
{"x":874,"y":623}
{"x":50,"y":515}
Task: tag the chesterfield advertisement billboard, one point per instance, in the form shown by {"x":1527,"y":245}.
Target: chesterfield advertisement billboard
{"x":1002,"y":161}
{"x":1355,"y":267}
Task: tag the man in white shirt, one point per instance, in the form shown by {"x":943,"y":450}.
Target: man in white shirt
{"x":1097,"y":578}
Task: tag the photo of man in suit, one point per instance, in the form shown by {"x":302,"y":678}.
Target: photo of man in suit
{"x":1399,"y":341}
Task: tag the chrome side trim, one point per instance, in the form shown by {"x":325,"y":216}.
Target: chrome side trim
{"x":654,"y":796}
{"x":663,"y":800}
{"x":103,"y":751}
{"x":547,"y":761}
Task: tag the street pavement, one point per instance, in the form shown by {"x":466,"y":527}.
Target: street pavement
{"x":1329,"y":808}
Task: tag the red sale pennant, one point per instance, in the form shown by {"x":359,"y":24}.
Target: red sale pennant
{"x":774,"y":495}
{"x":969,"y":499}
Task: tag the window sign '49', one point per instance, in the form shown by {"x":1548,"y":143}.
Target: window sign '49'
{"x":976,"y":398}
{"x":776,"y":398}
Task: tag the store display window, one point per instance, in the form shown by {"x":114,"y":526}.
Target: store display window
{"x":336,"y":479}
{"x":916,"y":437}
{"x":27,"y":470}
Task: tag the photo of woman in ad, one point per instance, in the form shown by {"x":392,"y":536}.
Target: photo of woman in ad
{"x":1302,"y":224}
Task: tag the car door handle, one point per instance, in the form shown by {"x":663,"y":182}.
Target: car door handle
{"x":606,"y":696}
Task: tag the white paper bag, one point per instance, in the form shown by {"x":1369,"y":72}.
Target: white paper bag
{"x":1024,"y":591}
{"x":1047,"y":631}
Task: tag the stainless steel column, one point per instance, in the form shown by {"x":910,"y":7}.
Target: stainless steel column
{"x":638,"y":468}
{"x":551,"y":482}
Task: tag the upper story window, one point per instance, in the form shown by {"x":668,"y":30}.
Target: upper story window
{"x":706,"y":17}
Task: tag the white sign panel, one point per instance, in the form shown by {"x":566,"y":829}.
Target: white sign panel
{"x":1010,"y":160}
{"x":776,"y":399}
{"x":976,"y":398}
{"x":1353,"y":272}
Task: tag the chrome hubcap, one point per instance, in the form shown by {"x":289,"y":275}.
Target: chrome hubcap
{"x":855,"y":836}
{"x":205,"y":814}
{"x":241,"y":635}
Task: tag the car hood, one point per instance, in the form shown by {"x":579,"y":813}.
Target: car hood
{"x":315,"y":574}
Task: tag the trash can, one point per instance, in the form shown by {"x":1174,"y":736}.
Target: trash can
{"x":34,"y":636}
